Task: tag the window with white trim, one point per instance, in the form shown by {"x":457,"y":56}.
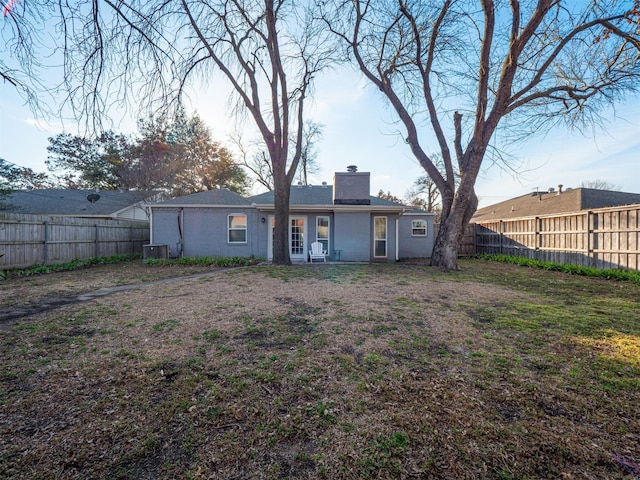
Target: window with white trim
{"x":418,"y":228}
{"x":237,"y":228}
{"x":322,"y":232}
{"x":379,"y":236}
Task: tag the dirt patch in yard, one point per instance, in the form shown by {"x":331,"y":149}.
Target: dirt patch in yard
{"x":37,"y":304}
{"x":28,"y":290}
{"x":325,"y":371}
{"x":26,"y":296}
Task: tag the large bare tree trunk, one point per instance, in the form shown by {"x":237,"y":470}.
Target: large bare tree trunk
{"x":281,"y":230}
{"x":452,"y":228}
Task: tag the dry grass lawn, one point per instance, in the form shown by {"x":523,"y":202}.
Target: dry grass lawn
{"x":323,"y":371}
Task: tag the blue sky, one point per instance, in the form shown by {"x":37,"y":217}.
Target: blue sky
{"x":360,"y":129}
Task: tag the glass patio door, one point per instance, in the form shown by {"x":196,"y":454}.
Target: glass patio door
{"x":297,"y":237}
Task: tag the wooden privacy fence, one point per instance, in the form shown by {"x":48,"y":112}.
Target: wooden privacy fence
{"x":26,"y":240}
{"x":467,"y":243}
{"x":602,"y":238}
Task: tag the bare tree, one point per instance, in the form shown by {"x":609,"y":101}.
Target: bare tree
{"x":255,"y":156}
{"x":21,"y":39}
{"x":388,"y":196}
{"x":255,"y":160}
{"x":600,"y":184}
{"x":150,"y":53}
{"x":424,"y":194}
{"x":461,"y":71}
{"x":261,"y":168}
{"x":308,"y":165}
{"x":270,"y":52}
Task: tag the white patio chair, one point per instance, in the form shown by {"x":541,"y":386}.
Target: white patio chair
{"x":317,"y":252}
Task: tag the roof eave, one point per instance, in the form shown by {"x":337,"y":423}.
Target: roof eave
{"x":335,"y":208}
{"x":418,"y":214}
{"x":197,"y":205}
{"x":266,"y":207}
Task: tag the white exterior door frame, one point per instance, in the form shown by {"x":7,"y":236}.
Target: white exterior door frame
{"x":297,"y":237}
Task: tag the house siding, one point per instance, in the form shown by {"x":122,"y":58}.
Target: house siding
{"x":164,"y":229}
{"x":353,"y":236}
{"x":204,"y":231}
{"x":262,"y":233}
{"x":415,"y":247}
{"x":134,"y":212}
{"x":196,"y":225}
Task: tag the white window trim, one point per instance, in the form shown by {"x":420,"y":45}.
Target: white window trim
{"x":328,"y":239}
{"x":414,"y":228}
{"x":229,"y":229}
{"x":375,"y":239}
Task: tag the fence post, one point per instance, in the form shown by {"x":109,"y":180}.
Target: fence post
{"x":131,"y":238}
{"x":538,"y":239}
{"x":475,"y":242}
{"x":97,"y":248}
{"x":590,"y":242}
{"x":45,"y":253}
{"x":500,"y":237}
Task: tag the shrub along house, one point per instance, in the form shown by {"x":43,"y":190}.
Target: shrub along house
{"x":351,"y":224}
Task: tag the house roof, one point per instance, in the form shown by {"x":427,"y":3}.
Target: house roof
{"x":548,"y":203}
{"x":307,"y":195}
{"x":71,"y":202}
{"x":220,"y":196}
{"x":315,"y":195}
{"x":301,"y":196}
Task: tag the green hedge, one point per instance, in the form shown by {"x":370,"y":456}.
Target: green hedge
{"x":205,"y":261}
{"x":72,"y":265}
{"x":613,"y":274}
{"x":76,"y":264}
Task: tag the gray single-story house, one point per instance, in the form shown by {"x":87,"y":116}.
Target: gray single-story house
{"x":351,"y":224}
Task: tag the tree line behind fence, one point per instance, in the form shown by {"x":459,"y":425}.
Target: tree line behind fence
{"x":26,"y":240}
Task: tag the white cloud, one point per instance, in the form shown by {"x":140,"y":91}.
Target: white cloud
{"x":44,"y":125}
{"x":337,"y":95}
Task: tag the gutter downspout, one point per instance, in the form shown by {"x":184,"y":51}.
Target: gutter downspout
{"x":151,"y":225}
{"x":398,"y":235}
{"x":181,"y":231}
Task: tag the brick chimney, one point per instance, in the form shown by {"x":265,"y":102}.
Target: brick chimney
{"x":351,"y":187}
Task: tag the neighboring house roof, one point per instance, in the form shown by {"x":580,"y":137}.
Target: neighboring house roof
{"x":220,"y":196}
{"x":72,"y":202}
{"x":314,"y":195}
{"x":548,"y":203}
